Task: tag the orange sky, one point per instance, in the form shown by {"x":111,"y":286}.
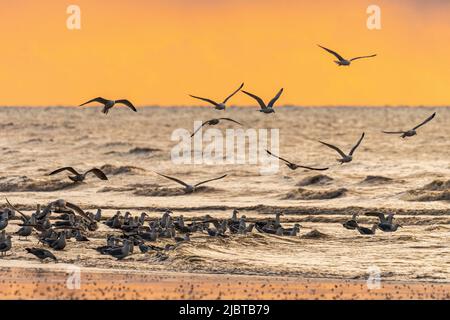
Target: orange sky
{"x":156,"y":52}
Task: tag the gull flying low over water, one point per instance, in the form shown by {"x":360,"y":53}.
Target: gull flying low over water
{"x":187,"y":187}
{"x":344,"y":62}
{"x":411,"y":132}
{"x":345,"y":158}
{"x":213,"y":122}
{"x":294,"y":166}
{"x":265,"y":108}
{"x":79,"y":177}
{"x":108,"y":104}
{"x":386,"y":223}
{"x":222,"y":105}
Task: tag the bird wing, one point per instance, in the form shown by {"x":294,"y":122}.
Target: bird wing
{"x":393,"y":132}
{"x":200,"y":183}
{"x":203,"y":124}
{"x":79,"y":211}
{"x":99,"y":173}
{"x":127,"y":103}
{"x":357,"y":145}
{"x":334,"y":148}
{"x":311,"y":168}
{"x":236,"y":91}
{"x":173,"y":179}
{"x":17,"y":210}
{"x":229,"y":119}
{"x":362,"y":57}
{"x":273,"y":155}
{"x":63,"y":169}
{"x":332,"y":52}
{"x":377,"y":214}
{"x":258,"y":99}
{"x":272,"y":102}
{"x":99,"y":99}
{"x":427,"y":120}
{"x":205,"y":99}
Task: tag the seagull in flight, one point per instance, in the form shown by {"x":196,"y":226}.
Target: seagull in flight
{"x":187,"y":187}
{"x":345,"y":158}
{"x":294,"y":166}
{"x":108,"y":104}
{"x":79,"y":177}
{"x":344,"y":62}
{"x":411,"y":132}
{"x":213,"y":122}
{"x":221,"y":105}
{"x":265,"y":108}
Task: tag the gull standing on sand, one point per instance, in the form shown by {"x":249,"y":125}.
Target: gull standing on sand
{"x":42,"y":254}
{"x":344,"y":62}
{"x":294,"y":166}
{"x":187,"y":187}
{"x":265,"y":108}
{"x":5,"y":245}
{"x":413,"y":131}
{"x":79,"y":177}
{"x":108,"y":104}
{"x":345,"y":158}
{"x":222,"y":105}
{"x":213,"y":122}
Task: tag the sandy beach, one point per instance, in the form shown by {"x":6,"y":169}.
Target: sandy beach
{"x":407,"y":177}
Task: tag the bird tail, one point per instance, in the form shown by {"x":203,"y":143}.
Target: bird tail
{"x":338,"y":62}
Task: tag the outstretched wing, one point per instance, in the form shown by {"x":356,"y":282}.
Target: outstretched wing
{"x":99,"y":173}
{"x":334,"y":148}
{"x":229,"y":119}
{"x":362,"y":57}
{"x":173,"y":179}
{"x":127,"y":103}
{"x":357,"y":145}
{"x":427,"y":120}
{"x":258,"y":99}
{"x":393,"y":132}
{"x":63,"y":169}
{"x":377,"y":214}
{"x":332,"y":52}
{"x":236,"y":91}
{"x":272,"y":102}
{"x":17,"y":210}
{"x":196,"y":130}
{"x":200,"y":183}
{"x":99,"y":99}
{"x":205,"y":99}
{"x":311,"y":168}
{"x":273,"y":155}
{"x":79,"y":211}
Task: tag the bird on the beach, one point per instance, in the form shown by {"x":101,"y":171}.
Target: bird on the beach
{"x":213,"y":122}
{"x":187,"y":187}
{"x":121,"y":252}
{"x":24,"y":231}
{"x":345,"y":158}
{"x":98,"y":215}
{"x":184,"y":238}
{"x":42,"y":254}
{"x":221,"y":105}
{"x":58,"y":243}
{"x":288,"y":231}
{"x":344,"y":62}
{"x":294,"y":166}
{"x":5,"y":245}
{"x":4,"y":219}
{"x":270,"y":225}
{"x":386,"y":223}
{"x":351,"y":224}
{"x":79,"y":177}
{"x":412,"y":132}
{"x":367,"y":231}
{"x":80,"y":237}
{"x":265,"y":108}
{"x":108,"y":104}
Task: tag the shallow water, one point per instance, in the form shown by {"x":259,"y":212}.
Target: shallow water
{"x":409,"y":177}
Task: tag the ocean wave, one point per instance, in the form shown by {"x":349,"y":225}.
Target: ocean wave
{"x":319,"y":179}
{"x":304,"y":194}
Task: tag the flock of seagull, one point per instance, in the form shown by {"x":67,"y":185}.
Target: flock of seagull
{"x":70,"y":221}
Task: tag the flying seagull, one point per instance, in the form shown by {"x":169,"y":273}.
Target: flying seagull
{"x":386,"y":223}
{"x":265,"y":108}
{"x":294,"y":166}
{"x":344,"y":62}
{"x":411,"y":132}
{"x":187,"y":187}
{"x":345,"y":158}
{"x":108,"y":104}
{"x":79,"y":177}
{"x":222,"y":105}
{"x":213,"y":122}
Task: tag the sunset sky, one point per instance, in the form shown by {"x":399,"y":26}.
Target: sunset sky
{"x":156,"y":52}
